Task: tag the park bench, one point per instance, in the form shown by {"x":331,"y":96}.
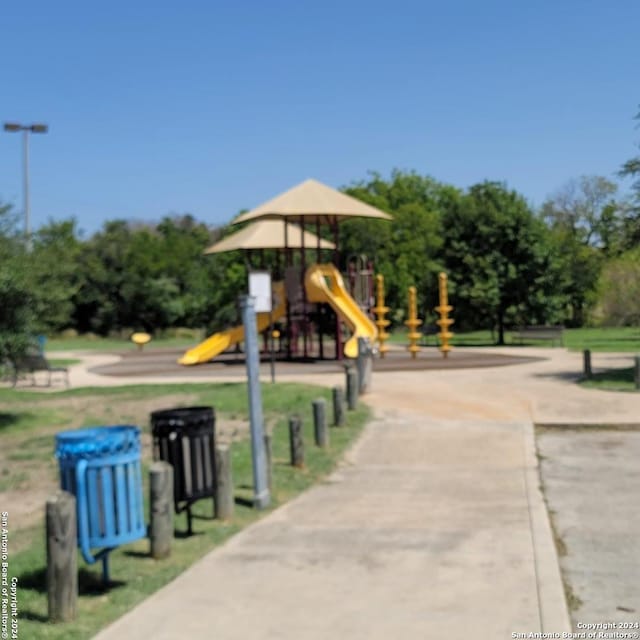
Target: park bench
{"x":541,"y":332}
{"x":34,"y":362}
{"x":429,"y":330}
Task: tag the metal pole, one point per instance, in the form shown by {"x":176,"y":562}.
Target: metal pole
{"x":262,"y":498}
{"x":33,"y":128}
{"x":25,"y":169}
{"x":287,"y":264}
{"x":273,"y":353}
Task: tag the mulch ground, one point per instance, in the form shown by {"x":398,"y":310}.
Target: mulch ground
{"x":163,"y":362}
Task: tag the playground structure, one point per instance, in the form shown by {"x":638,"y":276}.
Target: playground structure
{"x":323,"y":283}
{"x":219,"y":342}
{"x":302,"y":294}
{"x":306,"y":291}
{"x":360,"y":281}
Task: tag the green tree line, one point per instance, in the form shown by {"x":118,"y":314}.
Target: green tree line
{"x":573,"y":261}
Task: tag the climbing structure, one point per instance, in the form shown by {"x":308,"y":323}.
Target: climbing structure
{"x":413,"y":323}
{"x":381,"y":311}
{"x":444,"y":322}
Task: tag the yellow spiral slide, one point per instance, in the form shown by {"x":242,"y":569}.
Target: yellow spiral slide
{"x":220,"y":342}
{"x":323,"y":283}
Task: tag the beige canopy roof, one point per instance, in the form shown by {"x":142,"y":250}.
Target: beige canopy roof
{"x":268,"y":234}
{"x":313,"y":200}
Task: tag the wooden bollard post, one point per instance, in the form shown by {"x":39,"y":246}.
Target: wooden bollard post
{"x":636,"y":371}
{"x":225,"y":501}
{"x":62,"y":557}
{"x":296,"y":441}
{"x":364,"y":364}
{"x":586,"y":355}
{"x":338,"y":407}
{"x":352,"y":388}
{"x":320,"y":423}
{"x":268,"y":449}
{"x":161,"y":500}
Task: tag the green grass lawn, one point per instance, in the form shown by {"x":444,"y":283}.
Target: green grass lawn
{"x":63,"y":362}
{"x":612,"y":380}
{"x":615,"y":339}
{"x":28,"y":423}
{"x":95,"y":343}
{"x":605,"y":339}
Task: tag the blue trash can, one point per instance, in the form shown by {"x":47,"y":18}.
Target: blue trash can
{"x":100,"y":466}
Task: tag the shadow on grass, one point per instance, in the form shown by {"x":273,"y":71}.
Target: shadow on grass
{"x":612,"y":380}
{"x":614,"y":376}
{"x":132,"y":553}
{"x":25,"y":614}
{"x":183,"y":534}
{"x":609,"y":380}
{"x":568,"y":376}
{"x":467,"y":343}
{"x":89,"y":582}
{"x":8,"y":419}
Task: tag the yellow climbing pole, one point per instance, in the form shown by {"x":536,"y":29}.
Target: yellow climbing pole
{"x":413,"y":323}
{"x":381,"y":311}
{"x":445,"y":322}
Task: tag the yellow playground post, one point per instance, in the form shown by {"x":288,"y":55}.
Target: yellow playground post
{"x":445,"y":322}
{"x":413,"y":323}
{"x":381,"y":311}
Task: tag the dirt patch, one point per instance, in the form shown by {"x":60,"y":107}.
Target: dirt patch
{"x":133,"y":411}
{"x":28,"y":467}
{"x":228,"y":431}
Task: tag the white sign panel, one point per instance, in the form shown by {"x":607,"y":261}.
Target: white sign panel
{"x":260,"y":289}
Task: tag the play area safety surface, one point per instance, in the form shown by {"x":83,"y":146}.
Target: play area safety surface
{"x":163,"y":362}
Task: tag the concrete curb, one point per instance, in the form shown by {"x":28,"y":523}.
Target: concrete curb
{"x":554,"y":612}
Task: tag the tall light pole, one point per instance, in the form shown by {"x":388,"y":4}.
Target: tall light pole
{"x":33,"y":128}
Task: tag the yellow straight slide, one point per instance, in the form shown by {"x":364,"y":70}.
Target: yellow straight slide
{"x":219,"y":342}
{"x":324,"y":283}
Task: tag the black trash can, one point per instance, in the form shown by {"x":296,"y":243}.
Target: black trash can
{"x":186,"y":439}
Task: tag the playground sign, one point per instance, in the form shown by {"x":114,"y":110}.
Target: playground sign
{"x":260,"y":290}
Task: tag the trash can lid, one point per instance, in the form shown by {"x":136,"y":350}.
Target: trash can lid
{"x":92,"y":442}
{"x":183,"y":418}
{"x":182,"y":413}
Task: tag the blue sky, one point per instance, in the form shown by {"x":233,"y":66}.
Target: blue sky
{"x":209,"y":107}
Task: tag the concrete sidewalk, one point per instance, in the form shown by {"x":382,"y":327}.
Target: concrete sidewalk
{"x":434,"y":527}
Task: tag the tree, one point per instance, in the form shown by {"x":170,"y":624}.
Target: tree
{"x":36,"y":286}
{"x":631,"y":169}
{"x":100,"y":305}
{"x":619,"y":291}
{"x":153,"y":277}
{"x":501,"y":264}
{"x":405,"y":249}
{"x":586,"y":209}
{"x":588,"y":224}
{"x":17,"y":315}
{"x":52,"y":269}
